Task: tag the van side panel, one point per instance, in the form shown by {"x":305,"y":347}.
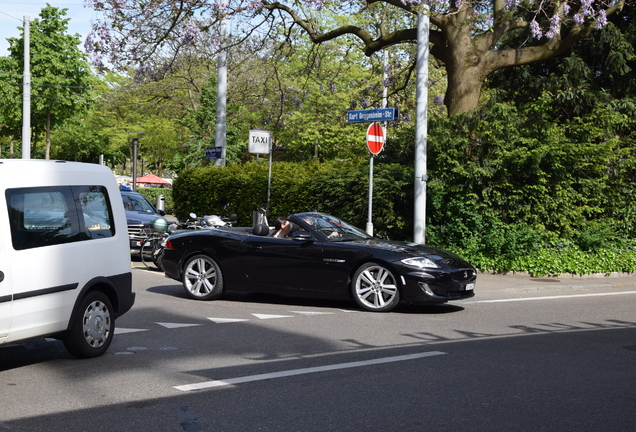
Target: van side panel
{"x":43,"y":284}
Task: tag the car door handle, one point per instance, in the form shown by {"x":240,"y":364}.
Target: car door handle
{"x":1,"y":276}
{"x":256,"y":248}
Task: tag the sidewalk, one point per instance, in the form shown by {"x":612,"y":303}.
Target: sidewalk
{"x":520,"y":282}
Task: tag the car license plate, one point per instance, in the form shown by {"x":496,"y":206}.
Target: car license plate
{"x":469,"y":287}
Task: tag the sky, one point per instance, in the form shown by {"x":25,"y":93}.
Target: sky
{"x":12,"y":13}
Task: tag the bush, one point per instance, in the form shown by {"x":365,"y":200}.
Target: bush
{"x":152,"y":193}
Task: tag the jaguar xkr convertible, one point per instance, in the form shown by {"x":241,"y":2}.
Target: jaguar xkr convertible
{"x":321,"y":256}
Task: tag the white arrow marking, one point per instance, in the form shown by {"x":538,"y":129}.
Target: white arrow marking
{"x":287,"y":373}
{"x":176,"y":325}
{"x":120,"y":330}
{"x":226,"y":320}
{"x":263,"y":316}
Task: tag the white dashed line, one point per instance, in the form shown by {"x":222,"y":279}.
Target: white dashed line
{"x":265,"y":316}
{"x":294,"y":372}
{"x":551,"y":297}
{"x":227,"y":320}
{"x":176,"y":325}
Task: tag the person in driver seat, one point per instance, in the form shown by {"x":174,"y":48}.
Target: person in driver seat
{"x":282,"y":227}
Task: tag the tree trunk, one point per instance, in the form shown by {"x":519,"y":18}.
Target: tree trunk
{"x":462,"y":93}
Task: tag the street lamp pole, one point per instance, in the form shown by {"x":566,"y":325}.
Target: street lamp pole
{"x":421,"y":128}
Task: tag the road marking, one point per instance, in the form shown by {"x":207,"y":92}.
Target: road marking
{"x":551,"y":297}
{"x":226,"y":320}
{"x":294,"y":372}
{"x":312,"y":313}
{"x":121,"y":330}
{"x":176,"y":325}
{"x":265,"y":316}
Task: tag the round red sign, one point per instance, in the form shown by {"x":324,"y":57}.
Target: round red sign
{"x":375,"y":138}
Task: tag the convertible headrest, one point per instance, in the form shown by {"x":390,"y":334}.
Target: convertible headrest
{"x":260,"y":230}
{"x":293,"y":227}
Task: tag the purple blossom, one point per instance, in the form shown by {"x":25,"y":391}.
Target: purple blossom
{"x":586,"y":7}
{"x":332,"y":87}
{"x":554,"y":27}
{"x":438,"y":100}
{"x":254,"y":5}
{"x":535,"y":30}
{"x":578,"y":18}
{"x":566,"y":9}
{"x":364,"y":103}
{"x":511,"y":4}
{"x":189,"y":33}
{"x":316,"y":4}
{"x":602,"y":20}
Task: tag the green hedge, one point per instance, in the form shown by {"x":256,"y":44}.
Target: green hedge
{"x":337,"y":188}
{"x":152,"y":193}
{"x":455,"y":222}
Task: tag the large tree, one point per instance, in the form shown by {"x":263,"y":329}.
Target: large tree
{"x":61,"y":78}
{"x":471,"y":38}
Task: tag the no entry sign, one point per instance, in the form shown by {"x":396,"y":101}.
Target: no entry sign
{"x":375,"y":138}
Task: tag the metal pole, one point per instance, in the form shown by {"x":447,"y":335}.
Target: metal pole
{"x":26,"y":93}
{"x":369,"y":222}
{"x":269,"y":173}
{"x":221,"y":97}
{"x":385,"y":76}
{"x":134,"y":172}
{"x":421,"y":129}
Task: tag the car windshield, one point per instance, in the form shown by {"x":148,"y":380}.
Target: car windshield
{"x":332,"y":228}
{"x":137,"y":203}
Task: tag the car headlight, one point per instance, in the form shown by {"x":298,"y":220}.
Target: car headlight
{"x":419,"y":262}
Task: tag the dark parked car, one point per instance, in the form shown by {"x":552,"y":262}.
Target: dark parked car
{"x":139,"y":214}
{"x":322,"y":256}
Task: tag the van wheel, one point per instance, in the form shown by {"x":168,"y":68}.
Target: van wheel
{"x":91,"y":329}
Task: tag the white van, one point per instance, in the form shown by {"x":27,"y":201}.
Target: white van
{"x":64,"y":257}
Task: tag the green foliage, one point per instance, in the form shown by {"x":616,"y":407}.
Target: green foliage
{"x":338,"y":188}
{"x":60,"y":74}
{"x":152,"y":193}
{"x":552,"y":262}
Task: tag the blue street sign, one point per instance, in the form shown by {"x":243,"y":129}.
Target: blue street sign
{"x":213,"y":152}
{"x":372,"y":115}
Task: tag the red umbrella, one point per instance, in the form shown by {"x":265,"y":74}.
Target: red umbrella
{"x":152,"y":179}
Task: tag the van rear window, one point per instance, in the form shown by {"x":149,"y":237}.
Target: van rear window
{"x":44,"y":216}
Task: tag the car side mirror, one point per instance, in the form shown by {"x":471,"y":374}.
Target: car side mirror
{"x":303,"y":236}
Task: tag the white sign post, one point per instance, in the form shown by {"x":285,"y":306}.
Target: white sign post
{"x":375,"y":142}
{"x":261,"y":143}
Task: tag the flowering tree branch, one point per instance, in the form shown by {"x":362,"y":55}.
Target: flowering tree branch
{"x":470,"y":37}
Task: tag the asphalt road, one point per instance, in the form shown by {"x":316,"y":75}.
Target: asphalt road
{"x":500,"y":361}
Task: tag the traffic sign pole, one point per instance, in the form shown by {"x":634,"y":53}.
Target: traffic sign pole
{"x":375,"y":143}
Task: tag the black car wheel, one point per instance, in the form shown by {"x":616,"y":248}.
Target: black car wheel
{"x":202,"y":278}
{"x":375,"y":288}
{"x":91,"y":329}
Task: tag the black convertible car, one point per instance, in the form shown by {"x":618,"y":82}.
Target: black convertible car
{"x":322,"y":256}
